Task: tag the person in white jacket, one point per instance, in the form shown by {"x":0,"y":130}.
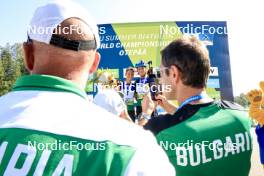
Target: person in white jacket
{"x":47,"y":125}
{"x":108,"y":97}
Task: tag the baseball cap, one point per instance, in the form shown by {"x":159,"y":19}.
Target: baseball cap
{"x":48,"y":17}
{"x":141,"y":63}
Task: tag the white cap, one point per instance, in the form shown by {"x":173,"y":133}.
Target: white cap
{"x":110,"y":100}
{"x":47,"y":17}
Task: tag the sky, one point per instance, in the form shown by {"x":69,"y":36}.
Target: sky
{"x":244,"y":21}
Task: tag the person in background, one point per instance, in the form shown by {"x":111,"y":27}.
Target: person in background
{"x":48,"y":126}
{"x":142,"y":85}
{"x":128,"y":91}
{"x":108,"y":97}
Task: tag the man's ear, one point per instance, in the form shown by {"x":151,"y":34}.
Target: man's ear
{"x":175,"y":73}
{"x":29,"y":56}
{"x":95,"y":63}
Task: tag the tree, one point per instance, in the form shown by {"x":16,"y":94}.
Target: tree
{"x":16,"y":73}
{"x":20,"y":59}
{"x":10,"y":69}
{"x":8,"y":64}
{"x":2,"y":82}
{"x":11,"y":66}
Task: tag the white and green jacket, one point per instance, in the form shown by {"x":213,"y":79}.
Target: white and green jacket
{"x":48,"y":127}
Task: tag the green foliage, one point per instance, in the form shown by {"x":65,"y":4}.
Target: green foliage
{"x":11,"y":67}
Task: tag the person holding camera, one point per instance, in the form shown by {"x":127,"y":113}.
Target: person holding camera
{"x":201,"y":137}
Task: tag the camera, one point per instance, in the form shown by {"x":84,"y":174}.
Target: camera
{"x":153,"y":76}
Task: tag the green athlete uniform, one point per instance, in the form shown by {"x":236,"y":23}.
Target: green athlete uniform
{"x":48,"y":127}
{"x":210,"y":139}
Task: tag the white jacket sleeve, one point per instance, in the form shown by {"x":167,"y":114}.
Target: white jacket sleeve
{"x":150,"y":160}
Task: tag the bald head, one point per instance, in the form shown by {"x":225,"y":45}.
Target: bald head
{"x":42,"y":58}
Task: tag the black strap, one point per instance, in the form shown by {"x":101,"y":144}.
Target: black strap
{"x":75,"y":45}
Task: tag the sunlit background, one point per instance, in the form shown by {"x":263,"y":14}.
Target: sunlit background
{"x":244,"y":20}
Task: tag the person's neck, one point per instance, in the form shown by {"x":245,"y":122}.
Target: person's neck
{"x":143,"y":76}
{"x":128,"y":81}
{"x":186,"y":92}
{"x":79,"y":78}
